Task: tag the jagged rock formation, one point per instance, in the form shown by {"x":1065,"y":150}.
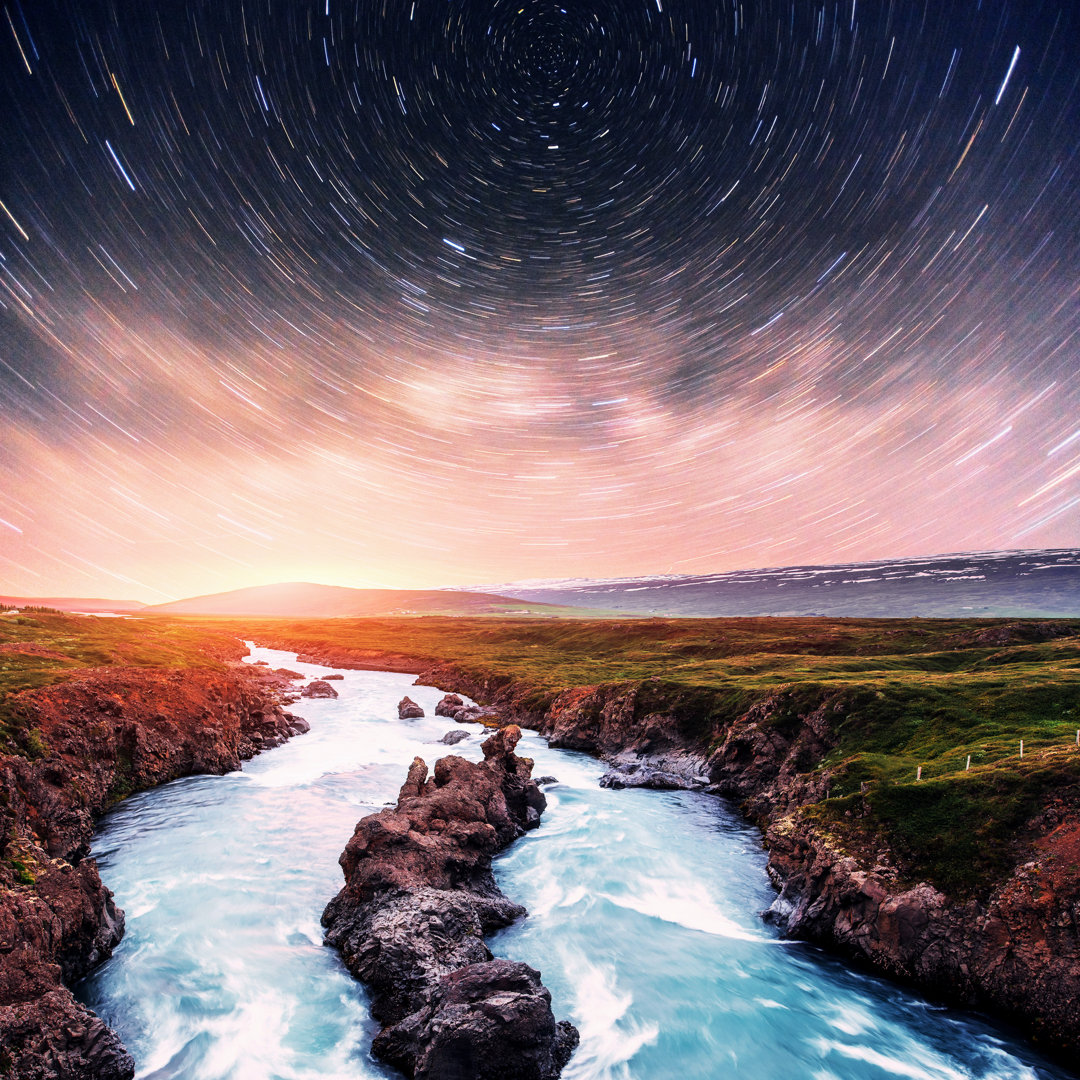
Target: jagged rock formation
{"x":94,"y":740}
{"x":419,"y":895}
{"x":449,"y":703}
{"x":1015,"y":950}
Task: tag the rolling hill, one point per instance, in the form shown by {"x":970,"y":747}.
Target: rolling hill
{"x":301,"y":599}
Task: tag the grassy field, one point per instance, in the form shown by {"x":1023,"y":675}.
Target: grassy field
{"x":902,"y":695}
{"x":40,"y":648}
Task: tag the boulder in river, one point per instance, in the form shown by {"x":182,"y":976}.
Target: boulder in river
{"x":318,"y":688}
{"x":485,"y":1021}
{"x":408,"y":709}
{"x":452,"y":738}
{"x":647,"y":777}
{"x":449,"y":703}
{"x":419,"y":895}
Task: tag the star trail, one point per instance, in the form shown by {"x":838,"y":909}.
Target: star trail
{"x":422,"y":292}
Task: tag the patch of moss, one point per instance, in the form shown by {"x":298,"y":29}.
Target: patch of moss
{"x":123,"y":783}
{"x":35,"y":745}
{"x":22,"y":870}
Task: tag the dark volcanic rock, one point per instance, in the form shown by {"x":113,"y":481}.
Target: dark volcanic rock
{"x":1015,"y":952}
{"x":57,"y":1038}
{"x":336,"y":675}
{"x":647,"y":777}
{"x":408,"y":709}
{"x":419,"y":895}
{"x":318,"y":688}
{"x":471,"y":714}
{"x":453,"y":707}
{"x":675,"y":771}
{"x":452,"y":738}
{"x":485,"y":1021}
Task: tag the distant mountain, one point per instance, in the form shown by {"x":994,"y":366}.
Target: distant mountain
{"x":71,"y":603}
{"x":1006,"y":584}
{"x":304,"y":600}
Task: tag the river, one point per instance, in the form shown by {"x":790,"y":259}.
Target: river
{"x":644,"y":920}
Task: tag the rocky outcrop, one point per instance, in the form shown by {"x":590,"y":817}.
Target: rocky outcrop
{"x":419,"y":895}
{"x":452,"y":738}
{"x":408,"y":709}
{"x":653,"y":774}
{"x":88,"y":743}
{"x":1014,"y":952}
{"x":453,"y":707}
{"x":318,"y":688}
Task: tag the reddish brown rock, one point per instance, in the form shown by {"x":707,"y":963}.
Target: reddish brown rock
{"x":1016,"y":952}
{"x":448,"y":704}
{"x":408,"y":709}
{"x":318,"y":688}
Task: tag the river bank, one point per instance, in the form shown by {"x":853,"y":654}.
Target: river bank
{"x":999,"y":932}
{"x":980,"y":915}
{"x":81,"y":745}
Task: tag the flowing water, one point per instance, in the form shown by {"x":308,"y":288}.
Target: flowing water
{"x":643,"y":920}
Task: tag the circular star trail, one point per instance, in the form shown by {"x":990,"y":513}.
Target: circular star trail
{"x":437,"y":293}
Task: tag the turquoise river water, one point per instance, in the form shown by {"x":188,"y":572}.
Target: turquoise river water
{"x":644,"y":920}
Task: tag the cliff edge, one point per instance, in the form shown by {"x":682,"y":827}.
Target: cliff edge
{"x":76,"y":748}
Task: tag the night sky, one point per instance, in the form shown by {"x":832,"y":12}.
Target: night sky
{"x":440,"y":293}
